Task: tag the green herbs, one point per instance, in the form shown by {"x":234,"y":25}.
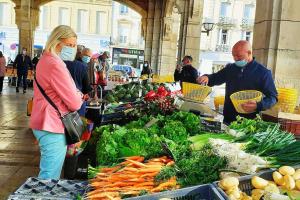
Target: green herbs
{"x":250,"y":126}
{"x":195,"y":167}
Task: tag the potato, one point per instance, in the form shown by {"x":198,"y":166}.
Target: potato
{"x":244,"y":196}
{"x":257,"y":194}
{"x":272,"y":189}
{"x":296,"y":176}
{"x":298,"y":184}
{"x":272,"y":183}
{"x":289,"y":182}
{"x":235,"y":192}
{"x":228,"y":183}
{"x":259,"y":183}
{"x":286,"y":170}
{"x":278,"y":178}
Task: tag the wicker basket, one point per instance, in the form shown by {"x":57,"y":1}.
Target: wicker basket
{"x":242,"y":97}
{"x":195,"y":92}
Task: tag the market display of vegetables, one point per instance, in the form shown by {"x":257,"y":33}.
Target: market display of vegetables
{"x":284,"y":185}
{"x":130,"y":92}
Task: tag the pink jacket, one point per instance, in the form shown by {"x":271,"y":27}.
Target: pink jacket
{"x":2,"y":66}
{"x":54,"y":77}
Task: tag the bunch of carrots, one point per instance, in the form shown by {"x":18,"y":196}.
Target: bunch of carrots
{"x":129,"y":178}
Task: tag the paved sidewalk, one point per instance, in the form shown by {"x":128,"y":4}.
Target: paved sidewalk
{"x":19,"y":155}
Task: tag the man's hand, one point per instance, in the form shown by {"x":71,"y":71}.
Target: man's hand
{"x":202,"y":80}
{"x":249,"y":106}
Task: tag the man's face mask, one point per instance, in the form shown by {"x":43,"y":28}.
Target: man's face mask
{"x":241,"y":63}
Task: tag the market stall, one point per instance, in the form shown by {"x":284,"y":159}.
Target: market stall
{"x":155,"y":137}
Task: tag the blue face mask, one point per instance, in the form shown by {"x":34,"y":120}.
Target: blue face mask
{"x":67,"y":53}
{"x":241,"y":63}
{"x":86,"y":59}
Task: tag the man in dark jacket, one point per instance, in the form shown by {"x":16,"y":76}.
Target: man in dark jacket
{"x":186,"y":72}
{"x":79,"y":74}
{"x":245,"y":74}
{"x":22,"y":62}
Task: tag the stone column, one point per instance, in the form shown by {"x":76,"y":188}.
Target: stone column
{"x":27,"y":16}
{"x":148,"y":32}
{"x":190,"y":29}
{"x":276,"y":41}
{"x":156,"y":35}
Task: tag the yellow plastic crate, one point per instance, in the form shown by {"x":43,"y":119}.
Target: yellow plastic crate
{"x":195,"y":91}
{"x":242,"y":97}
{"x":287,"y":99}
{"x":219,"y":100}
{"x":163,"y":78}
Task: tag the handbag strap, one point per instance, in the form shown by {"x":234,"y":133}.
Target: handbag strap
{"x":46,"y":96}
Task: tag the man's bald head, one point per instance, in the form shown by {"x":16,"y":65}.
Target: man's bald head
{"x":242,"y":50}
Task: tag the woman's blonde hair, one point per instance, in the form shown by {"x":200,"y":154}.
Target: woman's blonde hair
{"x":59,"y":33}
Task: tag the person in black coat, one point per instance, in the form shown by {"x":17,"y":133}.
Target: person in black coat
{"x":22,"y":63}
{"x":186,"y":72}
{"x":146,"y":69}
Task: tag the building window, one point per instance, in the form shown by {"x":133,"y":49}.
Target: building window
{"x":4,"y":8}
{"x":223,"y":36}
{"x":64,"y":16}
{"x":246,"y":35}
{"x":224,"y":10}
{"x":123,"y":39}
{"x":124,"y":30}
{"x":123,"y":9}
{"x":44,"y":18}
{"x":82,"y":21}
{"x":99,"y":22}
{"x":248,"y":11}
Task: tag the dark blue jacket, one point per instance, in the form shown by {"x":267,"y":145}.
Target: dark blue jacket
{"x":23,"y":63}
{"x":188,"y":74}
{"x":254,"y":76}
{"x":79,"y":74}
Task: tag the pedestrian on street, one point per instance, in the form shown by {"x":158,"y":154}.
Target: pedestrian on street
{"x":244,"y":74}
{"x":55,"y":79}
{"x":2,"y":70}
{"x":23,"y":63}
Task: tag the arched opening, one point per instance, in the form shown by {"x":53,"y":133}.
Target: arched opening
{"x":9,"y":32}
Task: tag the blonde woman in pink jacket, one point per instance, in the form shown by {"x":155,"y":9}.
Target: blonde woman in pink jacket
{"x":2,"y":70}
{"x":55,"y":79}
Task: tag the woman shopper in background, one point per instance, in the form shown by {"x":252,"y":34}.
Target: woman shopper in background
{"x":2,"y":70}
{"x":54,"y":77}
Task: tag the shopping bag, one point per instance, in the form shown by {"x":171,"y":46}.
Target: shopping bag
{"x":29,"y":106}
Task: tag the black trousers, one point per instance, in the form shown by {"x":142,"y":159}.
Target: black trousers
{"x":22,"y":76}
{"x":1,"y":83}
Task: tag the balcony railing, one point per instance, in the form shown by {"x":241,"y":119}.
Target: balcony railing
{"x":226,"y":21}
{"x":223,"y":48}
{"x":247,"y":23}
{"x":216,"y":68}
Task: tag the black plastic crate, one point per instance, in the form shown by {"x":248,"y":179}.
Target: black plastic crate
{"x":35,"y":188}
{"x":201,"y":192}
{"x":245,"y":182}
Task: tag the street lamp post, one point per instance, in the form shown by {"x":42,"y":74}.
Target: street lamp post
{"x":208,"y":26}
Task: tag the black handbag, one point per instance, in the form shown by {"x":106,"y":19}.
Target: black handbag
{"x":72,"y":121}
